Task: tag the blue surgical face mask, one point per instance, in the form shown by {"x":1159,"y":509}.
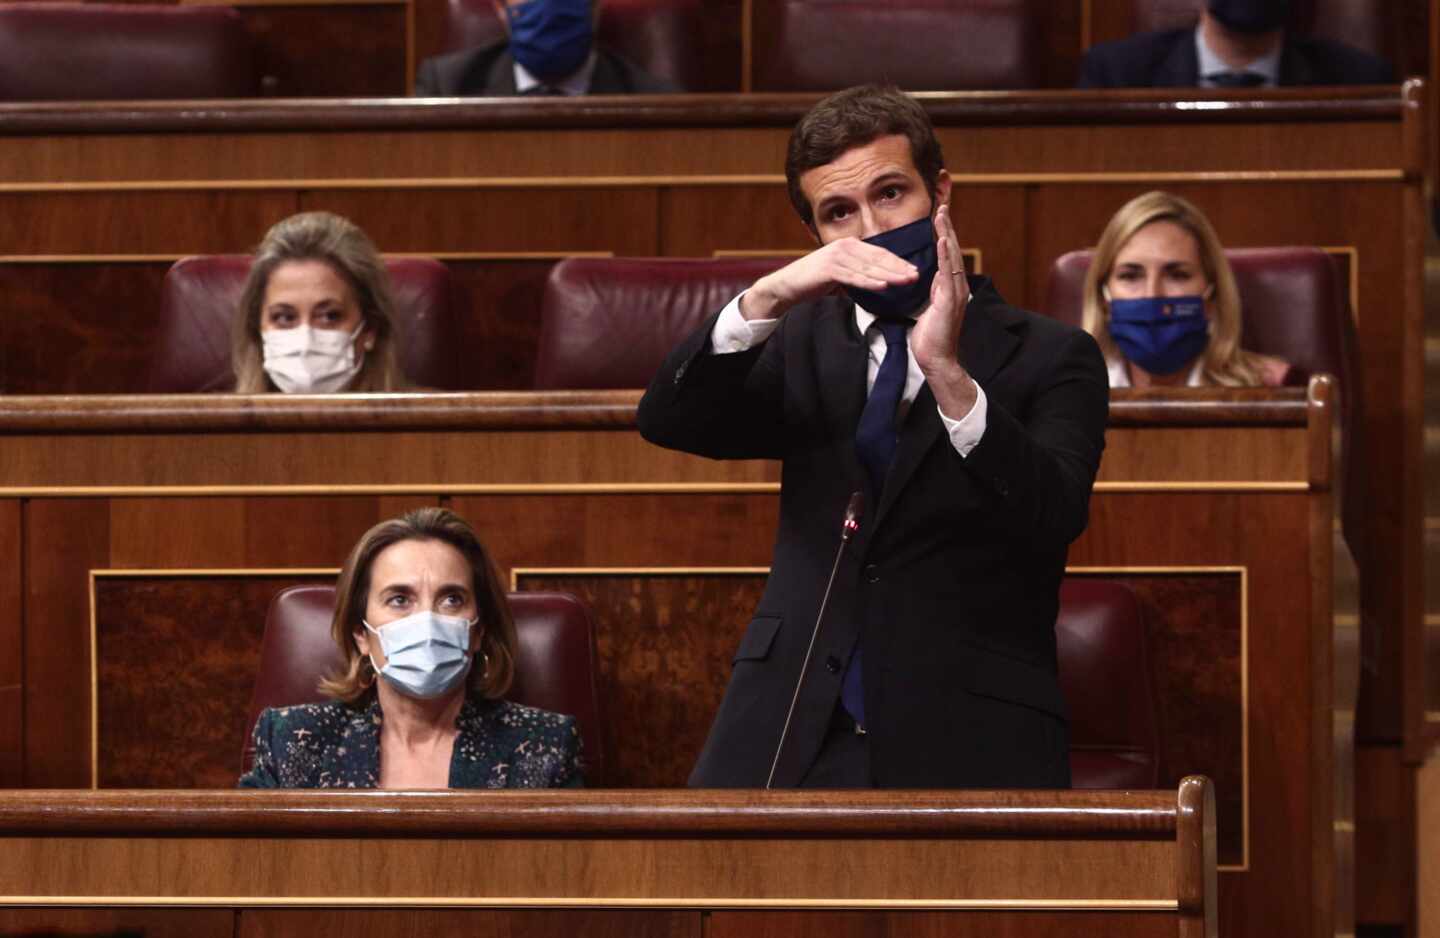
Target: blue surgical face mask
{"x":1160,"y":334}
{"x":915,"y":243}
{"x":426,"y":654}
{"x":550,"y":38}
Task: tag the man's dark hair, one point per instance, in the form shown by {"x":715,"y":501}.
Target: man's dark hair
{"x":853,"y":118}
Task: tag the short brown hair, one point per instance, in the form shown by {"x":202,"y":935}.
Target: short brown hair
{"x":340,"y":243}
{"x":355,"y":679}
{"x":853,"y":118}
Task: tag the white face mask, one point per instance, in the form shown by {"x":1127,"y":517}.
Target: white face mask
{"x":304,"y":360}
{"x":426,"y":654}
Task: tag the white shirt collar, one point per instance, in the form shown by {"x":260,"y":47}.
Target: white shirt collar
{"x":1210,"y":63}
{"x":1119,"y":372}
{"x":865,"y":319}
{"x":577,"y":83}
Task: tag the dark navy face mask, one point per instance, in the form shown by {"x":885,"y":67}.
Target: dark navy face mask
{"x":915,"y":243}
{"x":550,"y":38}
{"x":1161,"y":334}
{"x":1250,"y":16}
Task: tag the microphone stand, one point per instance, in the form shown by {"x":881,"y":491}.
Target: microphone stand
{"x":847,"y":531}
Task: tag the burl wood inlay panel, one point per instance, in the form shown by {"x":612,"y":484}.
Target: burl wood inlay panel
{"x":665,"y":642}
{"x":176,"y":660}
{"x":473,"y":923}
{"x":975,"y":924}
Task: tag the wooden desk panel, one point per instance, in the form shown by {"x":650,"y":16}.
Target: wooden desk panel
{"x":1126,"y":856}
{"x":143,"y":495}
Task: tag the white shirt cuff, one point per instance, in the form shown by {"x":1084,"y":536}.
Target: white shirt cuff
{"x":734,"y":333}
{"x":966,"y":432}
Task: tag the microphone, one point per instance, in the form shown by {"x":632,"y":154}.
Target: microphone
{"x":853,"y":511}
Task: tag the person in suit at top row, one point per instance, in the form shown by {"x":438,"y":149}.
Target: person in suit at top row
{"x":551,"y":51}
{"x":975,"y":438}
{"x":1237,"y":44}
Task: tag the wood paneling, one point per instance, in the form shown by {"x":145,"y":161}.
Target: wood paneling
{"x":347,"y":50}
{"x":176,"y":662}
{"x":64,"y":541}
{"x":73,"y":329}
{"x":474,"y":923}
{"x":167,"y":223}
{"x":118,"y":923}
{"x":930,"y":925}
{"x":1385,"y":828}
{"x":12,"y":647}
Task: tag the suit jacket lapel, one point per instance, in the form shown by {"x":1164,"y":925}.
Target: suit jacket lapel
{"x":1181,"y":68}
{"x":985,"y":345}
{"x":841,"y":367}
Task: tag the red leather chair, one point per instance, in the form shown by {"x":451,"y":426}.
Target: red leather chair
{"x":608,"y":323}
{"x":554,"y":669}
{"x":918,"y":45}
{"x":200,"y":294}
{"x":118,"y":51}
{"x":1105,"y":674}
{"x":667,"y":38}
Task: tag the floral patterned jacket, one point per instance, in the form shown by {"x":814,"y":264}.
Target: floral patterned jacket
{"x":336,"y":745}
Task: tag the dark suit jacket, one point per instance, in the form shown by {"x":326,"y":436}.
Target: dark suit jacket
{"x":490,"y":72}
{"x":1167,"y":59}
{"x":335,"y":745}
{"x":952,"y":579}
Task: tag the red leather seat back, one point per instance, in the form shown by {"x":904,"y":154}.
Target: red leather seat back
{"x":1105,"y":674}
{"x":555,"y":668}
{"x":200,"y":295}
{"x":918,"y":45}
{"x":608,"y":323}
{"x":667,"y":38}
{"x":119,"y":51}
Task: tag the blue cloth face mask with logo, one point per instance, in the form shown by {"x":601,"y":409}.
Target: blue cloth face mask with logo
{"x":915,"y":243}
{"x":550,"y":38}
{"x":426,"y":654}
{"x":1160,"y":334}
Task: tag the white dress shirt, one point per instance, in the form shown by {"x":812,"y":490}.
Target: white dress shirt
{"x":1119,"y":371}
{"x":575,"y":84}
{"x":734,"y":333}
{"x":1210,"y":63}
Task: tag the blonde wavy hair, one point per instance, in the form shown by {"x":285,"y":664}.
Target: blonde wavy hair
{"x":1225,"y":362}
{"x":339,"y":242}
{"x":354,"y":681}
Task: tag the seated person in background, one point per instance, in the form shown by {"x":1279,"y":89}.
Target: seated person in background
{"x":1162,"y":302}
{"x":1237,"y":44}
{"x":416,"y":604}
{"x":551,"y":51}
{"x":316,"y":314}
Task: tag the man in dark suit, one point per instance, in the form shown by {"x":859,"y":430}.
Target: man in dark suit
{"x":1237,"y":44}
{"x":551,"y":51}
{"x":974,"y":430}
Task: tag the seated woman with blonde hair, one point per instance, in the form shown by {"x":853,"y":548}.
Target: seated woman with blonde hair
{"x":1162,"y":303}
{"x":316,"y":313}
{"x":428,"y":646}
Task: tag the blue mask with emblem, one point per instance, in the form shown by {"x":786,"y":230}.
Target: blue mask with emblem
{"x":1161,"y":334}
{"x":550,"y":38}
{"x":915,"y":243}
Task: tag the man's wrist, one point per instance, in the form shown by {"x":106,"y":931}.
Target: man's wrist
{"x":759,"y":303}
{"x":954,"y":390}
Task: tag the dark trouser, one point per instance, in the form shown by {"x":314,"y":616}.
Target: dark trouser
{"x":844,"y":757}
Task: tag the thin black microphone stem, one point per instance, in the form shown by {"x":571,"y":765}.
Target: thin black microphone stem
{"x":853,"y":511}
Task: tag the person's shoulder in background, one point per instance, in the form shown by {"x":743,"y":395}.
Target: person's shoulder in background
{"x":489,"y":71}
{"x":1144,"y":60}
{"x":1309,"y":61}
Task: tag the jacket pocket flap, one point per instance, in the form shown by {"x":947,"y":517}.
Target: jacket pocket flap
{"x":759,"y":636}
{"x":1009,"y":679}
